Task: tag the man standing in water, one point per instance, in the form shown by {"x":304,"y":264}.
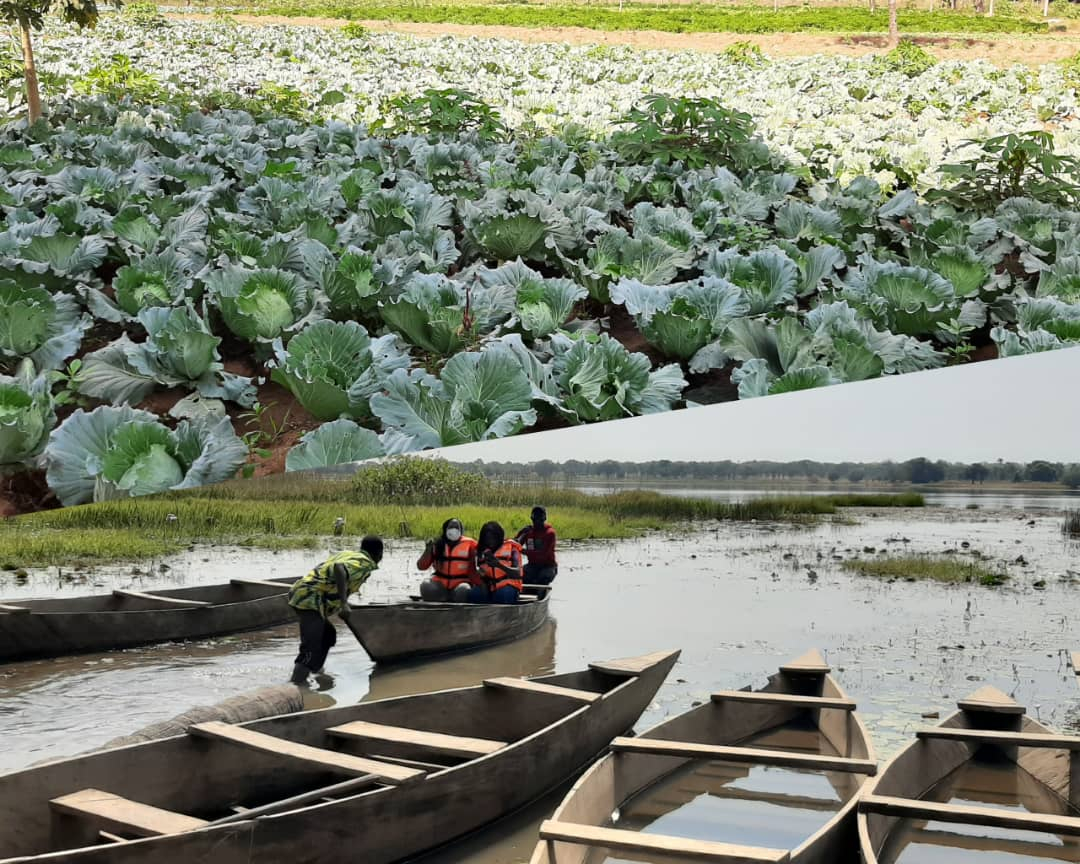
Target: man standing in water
{"x":538,"y":543}
{"x":324,"y":591}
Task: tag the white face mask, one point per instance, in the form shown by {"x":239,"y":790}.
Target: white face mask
{"x":453,"y":535}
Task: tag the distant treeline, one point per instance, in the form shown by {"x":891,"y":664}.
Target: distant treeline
{"x":912,"y":471}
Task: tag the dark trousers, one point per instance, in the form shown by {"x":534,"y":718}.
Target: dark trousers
{"x":317,"y":637}
{"x":540,"y":574}
{"x":481,"y":594}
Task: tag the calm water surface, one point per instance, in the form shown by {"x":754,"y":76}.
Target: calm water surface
{"x":737,"y":600}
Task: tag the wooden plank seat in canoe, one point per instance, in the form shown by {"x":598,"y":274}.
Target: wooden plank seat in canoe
{"x":673,"y":848}
{"x":157,"y":598}
{"x":538,"y":687}
{"x":435,"y":742}
{"x":750,"y":755}
{"x":328,"y":759}
{"x":1002,"y":738}
{"x":112,"y":813}
{"x":994,"y":817}
{"x":787,"y":699}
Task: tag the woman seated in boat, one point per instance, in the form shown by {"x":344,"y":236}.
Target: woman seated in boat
{"x":453,"y":556}
{"x":498,"y":562}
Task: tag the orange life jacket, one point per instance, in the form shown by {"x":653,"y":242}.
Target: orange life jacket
{"x":455,"y":565}
{"x":496,"y":578}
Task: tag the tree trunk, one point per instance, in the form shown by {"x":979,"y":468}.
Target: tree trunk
{"x":873,"y":6}
{"x":33,"y":93}
{"x":894,"y":29}
{"x":1046,"y":8}
{"x":990,"y":10}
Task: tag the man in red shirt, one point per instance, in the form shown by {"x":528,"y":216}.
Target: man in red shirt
{"x":538,"y":543}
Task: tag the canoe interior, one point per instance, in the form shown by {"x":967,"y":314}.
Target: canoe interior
{"x":207,"y":778}
{"x":216,"y":594}
{"x":713,"y":800}
{"x":980,"y":775}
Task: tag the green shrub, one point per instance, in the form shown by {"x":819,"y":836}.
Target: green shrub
{"x":906,"y":58}
{"x":118,"y":79}
{"x":144,"y":13}
{"x":745,"y":54}
{"x":281,"y":100}
{"x":1071,"y":70}
{"x":417,"y":481}
{"x":440,"y":112}
{"x":696,"y":132}
{"x":352,"y":30}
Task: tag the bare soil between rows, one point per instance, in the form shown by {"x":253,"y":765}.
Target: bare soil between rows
{"x":1002,"y":51}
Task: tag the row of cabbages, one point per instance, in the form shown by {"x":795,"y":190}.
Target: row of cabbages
{"x":844,"y":116}
{"x":417,"y":293}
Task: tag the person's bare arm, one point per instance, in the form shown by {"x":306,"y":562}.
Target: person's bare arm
{"x":342,"y":579}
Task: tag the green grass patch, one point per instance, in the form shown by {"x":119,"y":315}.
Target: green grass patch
{"x":270,"y":514}
{"x":67,"y":547}
{"x":919,"y":567}
{"x":688,"y":18}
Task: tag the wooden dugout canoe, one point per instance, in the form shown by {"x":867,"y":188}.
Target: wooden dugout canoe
{"x":123,"y":619}
{"x":393,"y":632}
{"x":375,"y":782}
{"x":988,"y":784}
{"x":769,"y":775}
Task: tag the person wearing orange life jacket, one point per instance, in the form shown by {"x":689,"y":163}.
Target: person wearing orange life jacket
{"x":498,"y":562}
{"x":453,"y":556}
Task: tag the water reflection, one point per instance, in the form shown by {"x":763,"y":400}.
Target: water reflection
{"x":1000,"y":785}
{"x":532,"y":655}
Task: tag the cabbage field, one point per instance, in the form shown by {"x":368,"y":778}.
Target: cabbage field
{"x":175,"y":273}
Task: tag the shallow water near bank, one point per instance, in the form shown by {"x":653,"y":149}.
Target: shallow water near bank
{"x":738,"y":600}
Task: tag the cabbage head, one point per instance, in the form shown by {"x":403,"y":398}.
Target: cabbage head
{"x":119,"y":452}
{"x":36,"y":324}
{"x":26,"y":415}
{"x":333,"y":368}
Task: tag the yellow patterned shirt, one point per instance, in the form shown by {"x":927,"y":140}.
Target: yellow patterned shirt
{"x":318,"y":591}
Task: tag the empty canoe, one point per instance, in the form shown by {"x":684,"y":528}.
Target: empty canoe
{"x":123,"y":619}
{"x":376,"y":782}
{"x":392,"y":632}
{"x":989,"y":784}
{"x":769,"y":775}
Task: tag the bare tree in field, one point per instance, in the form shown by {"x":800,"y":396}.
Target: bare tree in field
{"x":894,"y":29}
{"x":29,"y":15}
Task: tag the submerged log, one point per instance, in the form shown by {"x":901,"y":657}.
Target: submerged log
{"x":253,"y":705}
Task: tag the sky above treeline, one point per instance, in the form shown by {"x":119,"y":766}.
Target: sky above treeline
{"x":1019,"y":409}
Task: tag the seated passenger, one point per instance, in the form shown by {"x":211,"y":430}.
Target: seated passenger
{"x":538,"y":542}
{"x":498,"y":562}
{"x":453,"y":556}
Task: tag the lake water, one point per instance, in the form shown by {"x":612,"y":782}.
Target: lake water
{"x":738,"y":600}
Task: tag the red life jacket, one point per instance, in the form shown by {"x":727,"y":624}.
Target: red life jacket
{"x":496,"y":578}
{"x":455,"y":565}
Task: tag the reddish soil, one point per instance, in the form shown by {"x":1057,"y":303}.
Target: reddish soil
{"x":25,"y":493}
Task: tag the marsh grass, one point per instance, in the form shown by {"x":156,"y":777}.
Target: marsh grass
{"x":919,"y":567}
{"x":1071,"y":526}
{"x":270,"y":514}
{"x":40,"y":547}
